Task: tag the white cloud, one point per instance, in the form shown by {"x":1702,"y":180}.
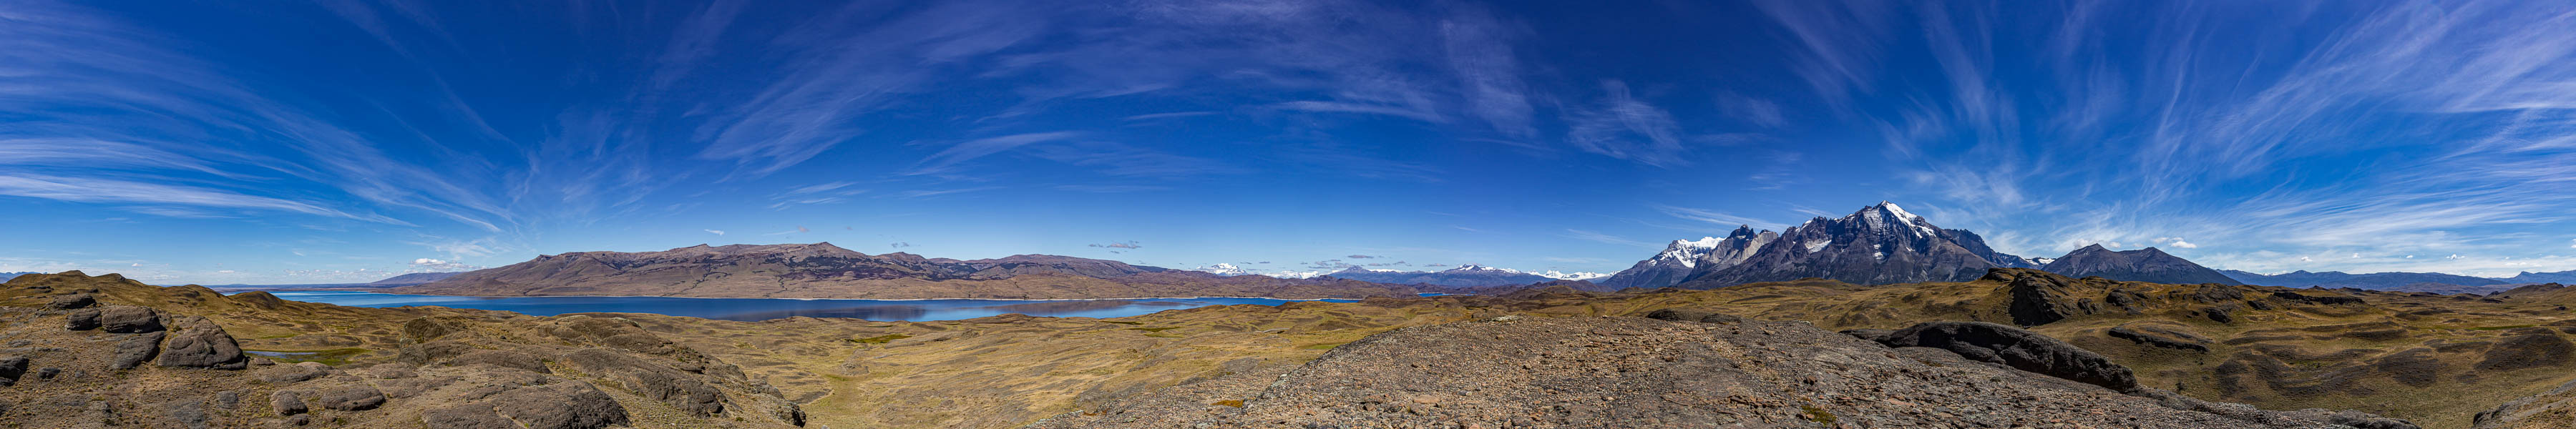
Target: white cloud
{"x":716,"y":232}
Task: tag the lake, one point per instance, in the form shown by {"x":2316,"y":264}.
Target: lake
{"x":758,"y":309}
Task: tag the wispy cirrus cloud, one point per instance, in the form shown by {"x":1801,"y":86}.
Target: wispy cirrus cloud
{"x":1603,"y":238}
{"x":1623,"y":127}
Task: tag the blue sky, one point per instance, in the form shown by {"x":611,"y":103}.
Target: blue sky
{"x":279,"y":142}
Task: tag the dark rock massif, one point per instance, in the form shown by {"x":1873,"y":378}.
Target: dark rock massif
{"x":2143,"y":265}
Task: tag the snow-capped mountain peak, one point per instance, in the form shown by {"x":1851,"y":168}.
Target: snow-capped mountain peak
{"x":1222,"y":270}
{"x":1688,"y":251}
{"x":1886,"y":215}
{"x":1578,"y":275}
{"x":1476,"y":268}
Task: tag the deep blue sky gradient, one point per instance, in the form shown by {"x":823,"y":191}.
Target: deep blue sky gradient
{"x":282,"y":142}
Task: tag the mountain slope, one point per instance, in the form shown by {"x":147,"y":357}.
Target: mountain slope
{"x":1468,"y":275}
{"x":413,"y":279}
{"x":1880,"y":244}
{"x":826,"y":271}
{"x":2568,"y":276}
{"x":2142,"y":265}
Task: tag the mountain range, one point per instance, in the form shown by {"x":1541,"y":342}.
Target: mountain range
{"x":6,"y":276}
{"x":825,"y":271}
{"x":1464,"y":275}
{"x":1880,"y":244}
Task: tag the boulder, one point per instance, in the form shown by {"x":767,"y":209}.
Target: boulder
{"x":72,"y":301}
{"x":127,"y":319}
{"x":135,"y":349}
{"x":2017,"y":348}
{"x":11,"y":368}
{"x":296,"y":373}
{"x":288,"y":402}
{"x":187,"y":413}
{"x":200,"y":343}
{"x":351,"y":398}
{"x":81,"y":320}
{"x":573,"y":405}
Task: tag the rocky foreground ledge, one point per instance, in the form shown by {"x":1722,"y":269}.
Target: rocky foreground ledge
{"x":1706,"y":371}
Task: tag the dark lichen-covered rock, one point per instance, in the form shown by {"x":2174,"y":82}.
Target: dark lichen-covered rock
{"x":199,"y":343}
{"x":351,"y":398}
{"x":72,"y":301}
{"x":2319,"y":300}
{"x":2040,"y":299}
{"x":2220,"y":314}
{"x":572,"y":405}
{"x":11,"y":368}
{"x":127,"y":319}
{"x":2017,"y":348}
{"x":288,"y":402}
{"x":296,"y":373}
{"x":136,"y":349}
{"x":81,"y":320}
{"x":183,"y":413}
{"x":1688,"y":315}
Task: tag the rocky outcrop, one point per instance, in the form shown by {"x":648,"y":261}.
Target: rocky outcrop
{"x":72,"y":301}
{"x":2016,"y":348}
{"x":11,"y":368}
{"x":651,"y":380}
{"x":2160,"y":336}
{"x":2040,"y":299}
{"x":200,"y":343}
{"x":127,"y":319}
{"x":350,"y":398}
{"x":1691,"y":315}
{"x":136,"y":349}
